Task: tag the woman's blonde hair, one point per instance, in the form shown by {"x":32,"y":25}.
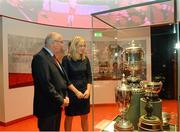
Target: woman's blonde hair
{"x":77,"y":40}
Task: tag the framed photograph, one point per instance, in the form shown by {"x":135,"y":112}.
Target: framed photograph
{"x":20,"y":53}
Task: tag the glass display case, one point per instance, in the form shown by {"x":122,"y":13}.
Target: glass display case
{"x":142,"y":42}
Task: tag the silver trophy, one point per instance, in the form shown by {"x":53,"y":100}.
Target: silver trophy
{"x":133,"y":59}
{"x":133,"y":65}
{"x":151,"y":120}
{"x":123,"y":98}
{"x":151,"y":89}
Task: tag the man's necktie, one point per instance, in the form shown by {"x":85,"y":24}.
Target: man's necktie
{"x":61,"y":68}
{"x":58,"y":63}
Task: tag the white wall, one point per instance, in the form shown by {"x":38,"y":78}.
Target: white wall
{"x":18,"y":102}
{"x":104,"y":91}
{"x":2,"y":114}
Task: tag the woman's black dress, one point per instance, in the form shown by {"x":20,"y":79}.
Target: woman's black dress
{"x":79,"y":73}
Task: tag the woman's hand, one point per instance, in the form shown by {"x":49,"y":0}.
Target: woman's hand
{"x":79,"y":95}
{"x":86,"y":94}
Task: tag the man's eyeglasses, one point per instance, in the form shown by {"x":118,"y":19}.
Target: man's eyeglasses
{"x":59,"y":41}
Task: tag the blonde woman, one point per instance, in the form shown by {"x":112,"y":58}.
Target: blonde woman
{"x":78,"y":69}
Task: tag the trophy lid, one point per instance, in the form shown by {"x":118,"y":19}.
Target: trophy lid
{"x":133,"y":47}
{"x":123,"y":85}
{"x":123,"y":80}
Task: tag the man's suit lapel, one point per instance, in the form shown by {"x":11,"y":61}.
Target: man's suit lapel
{"x":52,"y":60}
{"x":49,"y":57}
{"x":65,"y":75}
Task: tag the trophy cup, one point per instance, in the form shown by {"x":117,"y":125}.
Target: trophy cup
{"x":151,"y":121}
{"x":114,"y":51}
{"x":123,"y":98}
{"x":151,"y":89}
{"x":151,"y":92}
{"x":133,"y":61}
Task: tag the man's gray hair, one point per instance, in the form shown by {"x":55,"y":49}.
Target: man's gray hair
{"x":51,"y":37}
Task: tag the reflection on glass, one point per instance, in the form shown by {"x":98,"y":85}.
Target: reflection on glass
{"x":140,"y":16}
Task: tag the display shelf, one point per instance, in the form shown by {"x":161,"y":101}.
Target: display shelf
{"x":109,"y":127}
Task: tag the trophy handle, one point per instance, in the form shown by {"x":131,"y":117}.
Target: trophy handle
{"x":122,"y":52}
{"x":161,"y":84}
{"x":122,"y":56}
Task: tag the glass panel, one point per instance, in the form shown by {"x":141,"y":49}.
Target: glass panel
{"x":152,"y":14}
{"x":157,"y":39}
{"x":102,"y":92}
{"x":178,"y":10}
{"x":178,"y":74}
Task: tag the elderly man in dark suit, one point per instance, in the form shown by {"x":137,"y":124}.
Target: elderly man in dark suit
{"x":50,"y":82}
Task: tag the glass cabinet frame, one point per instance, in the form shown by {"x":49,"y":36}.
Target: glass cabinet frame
{"x":107,"y":44}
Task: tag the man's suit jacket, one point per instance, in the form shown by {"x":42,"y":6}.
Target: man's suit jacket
{"x":50,"y":85}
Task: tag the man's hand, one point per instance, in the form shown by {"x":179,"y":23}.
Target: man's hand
{"x":66,"y":101}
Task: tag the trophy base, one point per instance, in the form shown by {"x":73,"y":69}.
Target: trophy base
{"x":152,"y":123}
{"x":166,"y":127}
{"x":122,"y":125}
